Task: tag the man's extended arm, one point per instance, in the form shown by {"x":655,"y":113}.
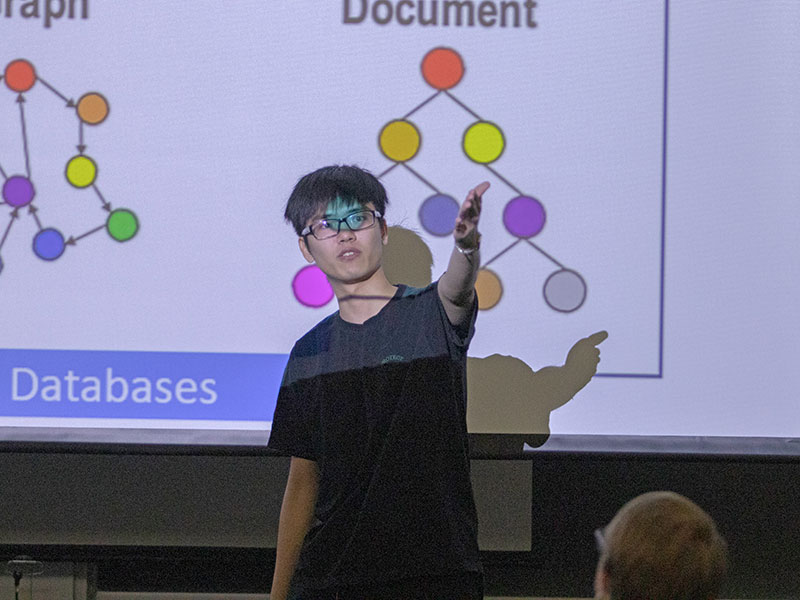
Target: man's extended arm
{"x":297,"y":512}
{"x":457,"y":284}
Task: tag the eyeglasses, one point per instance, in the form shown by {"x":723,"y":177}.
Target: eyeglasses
{"x":328,"y":228}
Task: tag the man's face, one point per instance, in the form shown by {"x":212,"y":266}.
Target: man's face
{"x":349,"y":256}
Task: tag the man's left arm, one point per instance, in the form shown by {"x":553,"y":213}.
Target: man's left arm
{"x":457,"y":285}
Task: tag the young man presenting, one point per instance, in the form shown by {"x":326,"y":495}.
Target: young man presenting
{"x":372,"y":410}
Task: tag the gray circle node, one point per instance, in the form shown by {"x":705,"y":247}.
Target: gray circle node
{"x":564,"y":290}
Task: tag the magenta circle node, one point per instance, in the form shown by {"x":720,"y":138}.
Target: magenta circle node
{"x":18,"y":191}
{"x":564,"y":290}
{"x":438,"y":214}
{"x":524,"y":216}
{"x":48,"y":244}
{"x":311,"y":287}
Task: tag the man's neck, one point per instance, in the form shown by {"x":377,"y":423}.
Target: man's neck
{"x":365,"y":299}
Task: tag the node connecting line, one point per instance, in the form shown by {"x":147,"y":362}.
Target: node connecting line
{"x":80,"y":171}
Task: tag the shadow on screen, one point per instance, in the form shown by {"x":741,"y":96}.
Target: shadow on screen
{"x":509,"y":404}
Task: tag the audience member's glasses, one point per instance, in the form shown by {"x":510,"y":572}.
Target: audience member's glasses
{"x":328,"y":228}
{"x":600,"y":540}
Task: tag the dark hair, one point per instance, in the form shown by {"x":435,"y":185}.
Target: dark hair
{"x":315,"y":190}
{"x":662,"y":546}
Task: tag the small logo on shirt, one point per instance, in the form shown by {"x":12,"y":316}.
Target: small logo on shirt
{"x":392,"y":358}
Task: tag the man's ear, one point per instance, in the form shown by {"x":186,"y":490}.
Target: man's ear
{"x":384,"y":232}
{"x":304,"y":249}
{"x":601,"y":583}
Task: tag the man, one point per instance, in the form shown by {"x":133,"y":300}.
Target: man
{"x":660,"y":546}
{"x":372,"y":410}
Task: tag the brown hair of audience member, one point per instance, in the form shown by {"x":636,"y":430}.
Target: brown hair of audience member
{"x":661,"y":546}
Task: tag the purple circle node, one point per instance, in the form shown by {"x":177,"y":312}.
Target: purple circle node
{"x":18,"y":191}
{"x":311,"y":287}
{"x":48,"y":244}
{"x":524,"y":216}
{"x":438,"y":214}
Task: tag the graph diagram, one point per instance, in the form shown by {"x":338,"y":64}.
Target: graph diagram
{"x":80,"y":171}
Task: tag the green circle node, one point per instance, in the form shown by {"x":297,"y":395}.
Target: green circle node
{"x":122,"y":224}
{"x":399,"y":140}
{"x":483,"y":142}
{"x":81,"y":171}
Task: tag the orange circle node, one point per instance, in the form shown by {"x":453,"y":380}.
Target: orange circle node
{"x":488,"y":288}
{"x":399,"y":140}
{"x":20,"y":75}
{"x":92,"y":108}
{"x":442,"y":68}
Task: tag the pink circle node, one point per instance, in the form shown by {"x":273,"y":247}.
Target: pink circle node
{"x":311,"y":287}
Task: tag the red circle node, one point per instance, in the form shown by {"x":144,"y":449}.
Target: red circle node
{"x":442,"y":68}
{"x":20,"y":75}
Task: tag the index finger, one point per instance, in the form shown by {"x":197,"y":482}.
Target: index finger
{"x":597,"y":338}
{"x":481,"y":188}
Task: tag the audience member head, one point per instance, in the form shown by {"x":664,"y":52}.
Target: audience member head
{"x":660,"y":546}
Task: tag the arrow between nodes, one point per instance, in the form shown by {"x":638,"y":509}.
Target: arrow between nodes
{"x":32,"y":210}
{"x":73,"y":240}
{"x":14,"y":215}
{"x":81,"y":146}
{"x":106,"y":204}
{"x":70,"y":103}
{"x":21,"y":102}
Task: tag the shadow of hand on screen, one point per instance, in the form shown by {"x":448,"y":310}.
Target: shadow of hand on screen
{"x":508,"y":404}
{"x":513,"y":402}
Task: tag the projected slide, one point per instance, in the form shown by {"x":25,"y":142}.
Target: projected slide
{"x":151,"y":291}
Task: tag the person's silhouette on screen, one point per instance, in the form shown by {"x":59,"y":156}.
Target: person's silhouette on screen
{"x":509,"y":404}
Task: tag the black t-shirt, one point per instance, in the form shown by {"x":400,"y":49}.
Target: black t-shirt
{"x":381,"y":408}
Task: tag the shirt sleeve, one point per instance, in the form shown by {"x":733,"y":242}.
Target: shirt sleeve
{"x":293,"y":431}
{"x":459,"y":335}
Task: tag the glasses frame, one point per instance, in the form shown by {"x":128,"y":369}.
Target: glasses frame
{"x":309,"y":231}
{"x":600,"y":540}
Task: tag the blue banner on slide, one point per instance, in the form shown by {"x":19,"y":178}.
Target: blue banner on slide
{"x":139,"y":385}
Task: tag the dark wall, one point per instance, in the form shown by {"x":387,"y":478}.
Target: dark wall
{"x":207,"y":523}
{"x":755,"y":502}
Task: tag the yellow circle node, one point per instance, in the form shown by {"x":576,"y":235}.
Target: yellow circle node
{"x":483,"y":142}
{"x":488,"y":288}
{"x":81,"y":171}
{"x":399,"y":140}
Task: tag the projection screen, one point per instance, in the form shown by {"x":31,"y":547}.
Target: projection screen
{"x":642,"y":159}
